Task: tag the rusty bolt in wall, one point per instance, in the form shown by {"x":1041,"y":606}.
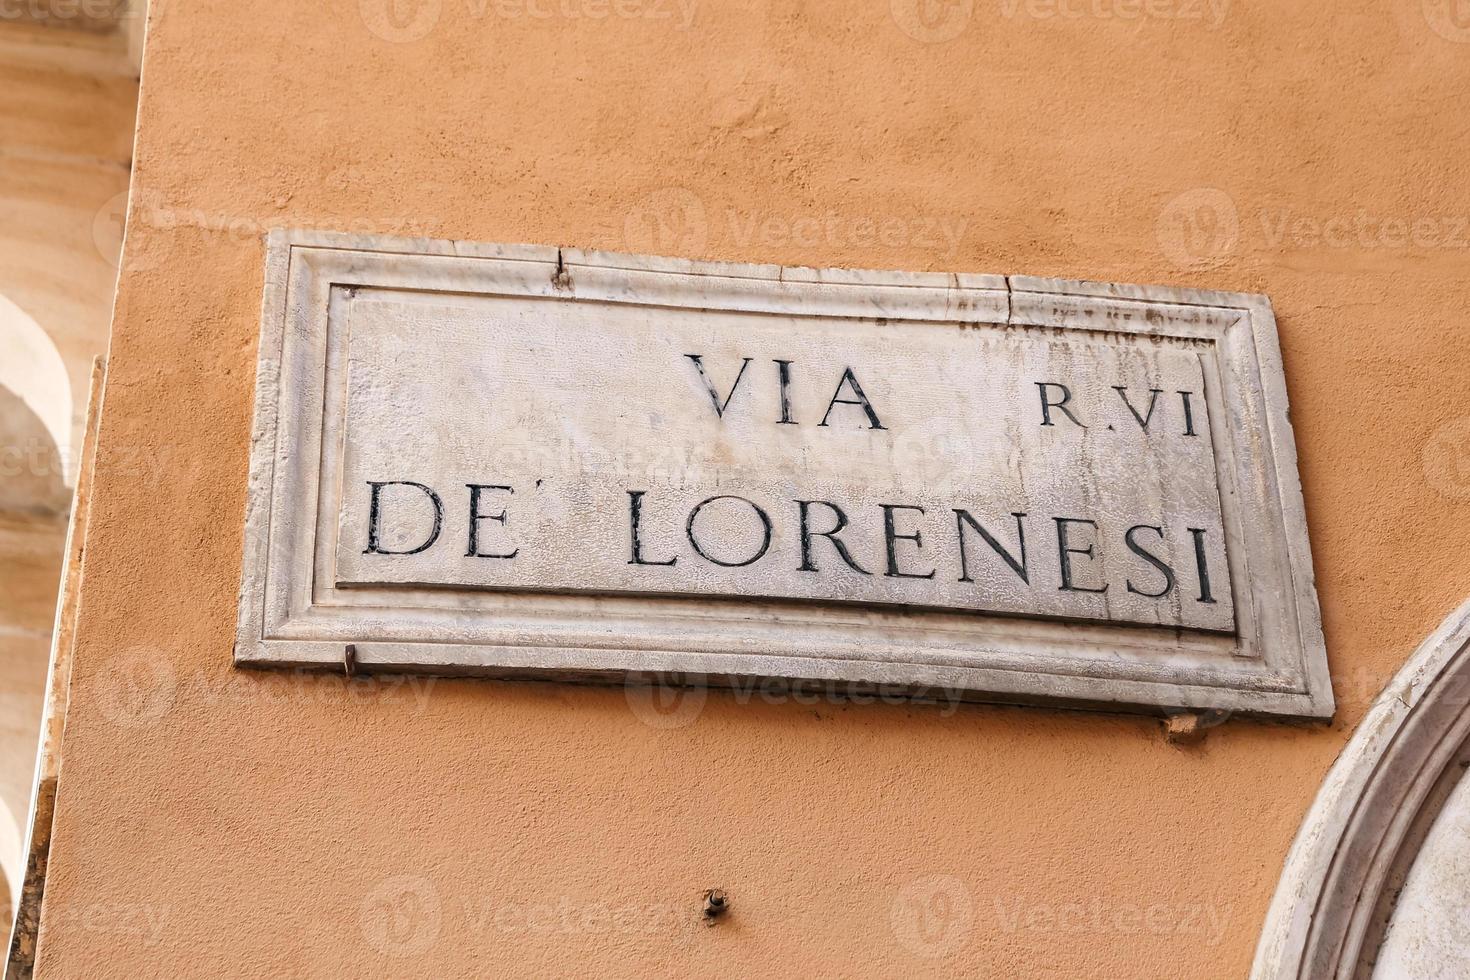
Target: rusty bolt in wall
{"x":716,"y":904}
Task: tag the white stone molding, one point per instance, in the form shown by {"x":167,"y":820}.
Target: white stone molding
{"x":1380,"y":799}
{"x":344,"y":316}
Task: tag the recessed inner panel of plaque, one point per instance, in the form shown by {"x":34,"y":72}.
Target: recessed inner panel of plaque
{"x":507,"y":444}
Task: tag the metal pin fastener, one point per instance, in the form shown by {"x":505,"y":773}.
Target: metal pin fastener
{"x":716,"y":904}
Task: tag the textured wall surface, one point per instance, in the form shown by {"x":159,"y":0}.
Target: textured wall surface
{"x":216,"y":821}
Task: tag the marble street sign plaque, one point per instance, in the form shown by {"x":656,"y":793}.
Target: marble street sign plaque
{"x":531,"y":462}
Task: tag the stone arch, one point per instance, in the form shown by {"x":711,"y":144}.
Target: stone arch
{"x":1338,"y":892}
{"x":36,"y":424}
{"x":35,"y":415}
{"x":12,"y":865}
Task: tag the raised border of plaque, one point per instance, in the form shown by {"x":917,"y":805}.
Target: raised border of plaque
{"x":291,"y":614}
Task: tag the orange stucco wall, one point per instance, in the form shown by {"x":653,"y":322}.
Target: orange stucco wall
{"x":232,"y":823}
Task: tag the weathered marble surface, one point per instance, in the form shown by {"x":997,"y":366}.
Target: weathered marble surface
{"x":1427,"y":936}
{"x":1374,"y":882}
{"x":515,"y":460}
